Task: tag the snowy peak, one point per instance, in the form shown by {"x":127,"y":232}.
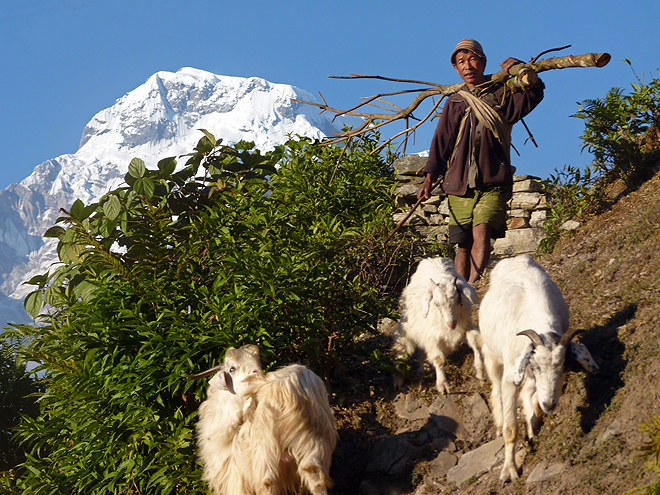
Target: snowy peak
{"x":169,"y":109}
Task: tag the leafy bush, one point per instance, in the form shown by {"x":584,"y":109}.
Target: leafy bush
{"x":16,"y":400}
{"x":159,"y":277}
{"x":622,"y":132}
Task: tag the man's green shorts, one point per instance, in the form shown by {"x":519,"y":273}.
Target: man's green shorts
{"x":477,"y":207}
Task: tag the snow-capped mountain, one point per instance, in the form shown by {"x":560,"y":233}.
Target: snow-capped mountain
{"x":161,"y":118}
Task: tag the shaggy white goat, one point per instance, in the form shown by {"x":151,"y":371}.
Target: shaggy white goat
{"x":436,"y":308}
{"x":523,"y":320}
{"x":265,"y":434}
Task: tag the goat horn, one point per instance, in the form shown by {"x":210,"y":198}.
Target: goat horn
{"x":568,"y":336}
{"x":533,"y":336}
{"x":204,"y":374}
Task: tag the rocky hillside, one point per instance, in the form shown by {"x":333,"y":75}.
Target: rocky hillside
{"x":415,"y":441}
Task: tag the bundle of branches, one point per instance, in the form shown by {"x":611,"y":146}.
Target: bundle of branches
{"x":514,"y":78}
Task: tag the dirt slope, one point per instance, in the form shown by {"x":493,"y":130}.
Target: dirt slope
{"x":609,"y":273}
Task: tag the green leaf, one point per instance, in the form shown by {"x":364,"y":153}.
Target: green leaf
{"x":167,"y":165}
{"x":53,"y":296}
{"x":123,"y":224}
{"x":214,"y":170}
{"x":267,"y":168}
{"x":204,"y":146}
{"x":112,"y":207}
{"x":129,"y":179}
{"x":37,"y":280}
{"x":77,"y":210}
{"x":33,"y":303}
{"x":136,"y":168}
{"x":145,"y":187}
{"x":75,"y":252}
{"x":210,"y":137}
{"x":85,"y":290}
{"x":108,"y":226}
{"x":56,"y":232}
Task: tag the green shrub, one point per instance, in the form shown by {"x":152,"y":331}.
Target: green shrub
{"x":163,"y":274}
{"x":17,"y":389}
{"x":622,"y":132}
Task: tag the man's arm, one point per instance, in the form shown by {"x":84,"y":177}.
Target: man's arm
{"x":442,"y":144}
{"x":520,"y":103}
{"x":424,"y":191}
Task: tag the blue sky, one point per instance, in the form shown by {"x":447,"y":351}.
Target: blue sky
{"x":62,"y":61}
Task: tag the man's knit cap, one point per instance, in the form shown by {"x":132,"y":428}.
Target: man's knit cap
{"x":470,"y":45}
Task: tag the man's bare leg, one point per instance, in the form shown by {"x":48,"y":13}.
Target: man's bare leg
{"x":480,"y":251}
{"x":462,"y":263}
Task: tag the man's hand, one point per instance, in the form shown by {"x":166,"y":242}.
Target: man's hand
{"x":510,"y":62}
{"x":424,"y":191}
{"x":527,"y":76}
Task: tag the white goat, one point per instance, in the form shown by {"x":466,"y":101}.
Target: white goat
{"x":265,"y":435}
{"x":523,"y":320}
{"x":436,"y":308}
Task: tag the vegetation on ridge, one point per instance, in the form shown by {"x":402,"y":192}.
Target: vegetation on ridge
{"x":622,"y":131}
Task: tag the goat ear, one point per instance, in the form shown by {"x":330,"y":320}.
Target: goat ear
{"x":521,"y":364}
{"x":252,"y":350}
{"x":222,"y":381}
{"x":427,"y":297}
{"x":582,"y":355}
{"x":468,"y":291}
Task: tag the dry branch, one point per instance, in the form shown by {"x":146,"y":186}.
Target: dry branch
{"x":515,"y":78}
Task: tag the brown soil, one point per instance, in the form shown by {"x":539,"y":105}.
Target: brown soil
{"x":609,"y":273}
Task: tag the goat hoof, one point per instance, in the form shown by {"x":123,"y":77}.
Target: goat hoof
{"x":508,"y":474}
{"x":443,"y":389}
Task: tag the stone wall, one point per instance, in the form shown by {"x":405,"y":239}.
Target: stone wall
{"x":528,"y":210}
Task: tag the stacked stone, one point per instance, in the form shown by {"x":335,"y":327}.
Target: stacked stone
{"x":528,"y":209}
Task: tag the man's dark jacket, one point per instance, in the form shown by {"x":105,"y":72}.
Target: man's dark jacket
{"x":494,"y":166}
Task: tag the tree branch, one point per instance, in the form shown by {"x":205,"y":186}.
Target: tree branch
{"x":518,"y":77}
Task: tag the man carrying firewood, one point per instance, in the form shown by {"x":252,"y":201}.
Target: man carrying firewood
{"x":471,"y":150}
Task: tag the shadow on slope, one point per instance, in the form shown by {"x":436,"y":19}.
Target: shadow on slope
{"x":608,"y":351}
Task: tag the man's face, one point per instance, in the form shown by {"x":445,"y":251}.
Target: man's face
{"x":471,"y":68}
